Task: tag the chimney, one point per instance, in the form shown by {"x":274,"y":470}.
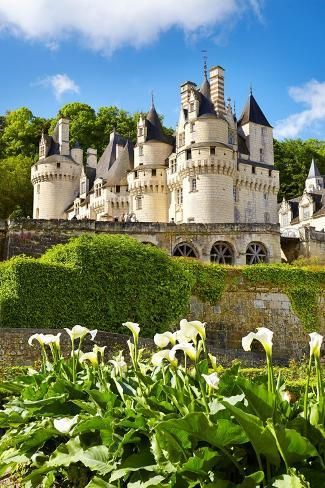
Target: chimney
{"x":217,"y":81}
{"x":186,"y":92}
{"x":63,"y":136}
{"x":92,"y":157}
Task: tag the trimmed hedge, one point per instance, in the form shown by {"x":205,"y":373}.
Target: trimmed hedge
{"x":99,"y":281}
{"x":103,"y":280}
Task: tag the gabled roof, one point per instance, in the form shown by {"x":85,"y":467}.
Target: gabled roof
{"x":155,"y":130}
{"x":253,"y":113}
{"x":313,"y":170}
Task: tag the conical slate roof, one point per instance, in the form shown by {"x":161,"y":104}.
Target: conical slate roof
{"x":117,"y":174}
{"x":206,"y":105}
{"x":253,"y":113}
{"x":154,"y":127}
{"x":109,"y":155}
{"x":313,"y":171}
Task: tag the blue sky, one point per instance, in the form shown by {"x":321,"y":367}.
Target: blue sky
{"x":101,"y":53}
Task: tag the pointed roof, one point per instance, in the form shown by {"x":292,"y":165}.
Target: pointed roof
{"x":253,"y":113}
{"x":206,"y":105}
{"x":313,"y":170}
{"x":109,"y":155}
{"x":117,"y":174}
{"x":154,"y":127}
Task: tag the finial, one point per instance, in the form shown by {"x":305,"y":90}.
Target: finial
{"x":205,"y":59}
{"x":251,"y":89}
{"x":152,"y":99}
{"x":234,"y":108}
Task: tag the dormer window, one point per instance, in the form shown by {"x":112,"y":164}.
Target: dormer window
{"x":98,"y":190}
{"x":192,"y":106}
{"x":305,"y":213}
{"x":118,"y":188}
{"x":212,"y":151}
{"x":140,"y":133}
{"x":42,"y":151}
{"x":141,"y":150}
{"x":181,"y":139}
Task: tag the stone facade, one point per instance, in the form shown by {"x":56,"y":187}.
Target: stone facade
{"x":214,"y":170}
{"x":33,"y":237}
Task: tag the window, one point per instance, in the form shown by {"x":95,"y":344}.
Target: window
{"x":235,"y":193}
{"x":265,"y":196}
{"x":222,"y":253}
{"x":192,"y":126}
{"x":285,"y":220}
{"x":212,"y":151}
{"x":118,"y":188}
{"x":173,"y":166}
{"x":266,"y":217}
{"x":138,"y":203}
{"x":305,"y":212}
{"x":256,"y":253}
{"x":42,"y":150}
{"x":38,"y":189}
{"x":141,"y":150}
{"x":58,"y":165}
{"x":83,"y":187}
{"x":181,"y":139}
{"x":193,"y":184}
{"x":184,"y":249}
{"x":188,"y":154}
{"x":263,"y":131}
{"x":179,"y":196}
{"x":135,"y":174}
{"x":253,"y":170}
{"x":270,"y":172}
{"x":231,"y":136}
{"x":154,"y":172}
{"x":98,"y":190}
{"x":192,"y":106}
{"x":261,"y":154}
{"x":140,"y":133}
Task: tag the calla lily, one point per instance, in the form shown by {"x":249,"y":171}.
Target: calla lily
{"x":162,"y":340}
{"x":315,"y":344}
{"x":99,"y":350}
{"x":212,"y":380}
{"x":263,"y":335}
{"x":65,"y":424}
{"x":45,"y":339}
{"x":188,"y":330}
{"x":200,"y":327}
{"x":92,"y":357}
{"x":120,"y":365}
{"x":213,"y":361}
{"x":158,"y":357}
{"x":79,"y":332}
{"x":187,"y":348}
{"x":133,"y":327}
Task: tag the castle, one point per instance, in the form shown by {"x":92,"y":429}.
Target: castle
{"x":214,"y":170}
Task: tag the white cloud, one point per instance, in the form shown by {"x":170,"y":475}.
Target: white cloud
{"x":60,"y":84}
{"x":106,"y":25}
{"x":312,"y":95}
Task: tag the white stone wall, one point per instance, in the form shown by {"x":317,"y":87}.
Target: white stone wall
{"x":154,"y":153}
{"x":259,"y":137}
{"x":54,"y":188}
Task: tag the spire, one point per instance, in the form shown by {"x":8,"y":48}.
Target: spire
{"x":313,"y":170}
{"x":253,"y":113}
{"x":205,"y":59}
{"x":152,"y":100}
{"x":154,"y":127}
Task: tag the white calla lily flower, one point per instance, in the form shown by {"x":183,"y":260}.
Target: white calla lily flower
{"x":158,"y":357}
{"x":65,"y":424}
{"x":133,"y":327}
{"x":200,"y":327}
{"x":40,"y":338}
{"x":99,"y":350}
{"x":120,"y":365}
{"x":188,"y":330}
{"x":92,"y":357}
{"x":315,"y":344}
{"x":263,"y":335}
{"x":213,"y":361}
{"x":162,"y":340}
{"x":212,"y":380}
{"x":45,"y":339}
{"x":187,"y":349}
{"x":79,"y":332}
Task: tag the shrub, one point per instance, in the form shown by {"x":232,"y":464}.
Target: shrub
{"x":98,"y":281}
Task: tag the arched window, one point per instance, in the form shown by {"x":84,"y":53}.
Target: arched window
{"x":222,"y":253}
{"x":256,"y":253}
{"x":185,"y":250}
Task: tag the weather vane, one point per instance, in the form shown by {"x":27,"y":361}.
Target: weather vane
{"x":205,"y":59}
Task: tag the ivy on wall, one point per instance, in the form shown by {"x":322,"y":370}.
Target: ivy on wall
{"x":101,"y":281}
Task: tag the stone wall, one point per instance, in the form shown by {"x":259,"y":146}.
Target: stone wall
{"x":33,"y":237}
{"x":305,"y":242}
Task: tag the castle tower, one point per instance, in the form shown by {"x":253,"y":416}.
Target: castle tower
{"x":314,"y":181}
{"x":200,"y":175}
{"x":147,"y":181}
{"x":55,"y":177}
{"x":258,"y":132}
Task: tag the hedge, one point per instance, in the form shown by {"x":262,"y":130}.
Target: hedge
{"x":103,"y":280}
{"x":97,"y":281}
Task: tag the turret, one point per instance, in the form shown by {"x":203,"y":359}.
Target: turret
{"x":147,"y":182}
{"x":314,"y":181}
{"x":258,"y":132}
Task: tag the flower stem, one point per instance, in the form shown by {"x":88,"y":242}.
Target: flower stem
{"x":307,"y":388}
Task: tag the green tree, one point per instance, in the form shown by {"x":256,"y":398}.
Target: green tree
{"x":293,"y":158}
{"x":15,"y":186}
{"x":110,"y":118}
{"x":20,"y":132}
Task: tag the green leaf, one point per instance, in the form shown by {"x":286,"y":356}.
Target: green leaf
{"x":142,"y":460}
{"x":292,"y":446}
{"x":291,"y":480}
{"x":253,"y":480}
{"x":260,"y":436}
{"x":260,"y":400}
{"x":201,"y":462}
{"x":99,"y":483}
